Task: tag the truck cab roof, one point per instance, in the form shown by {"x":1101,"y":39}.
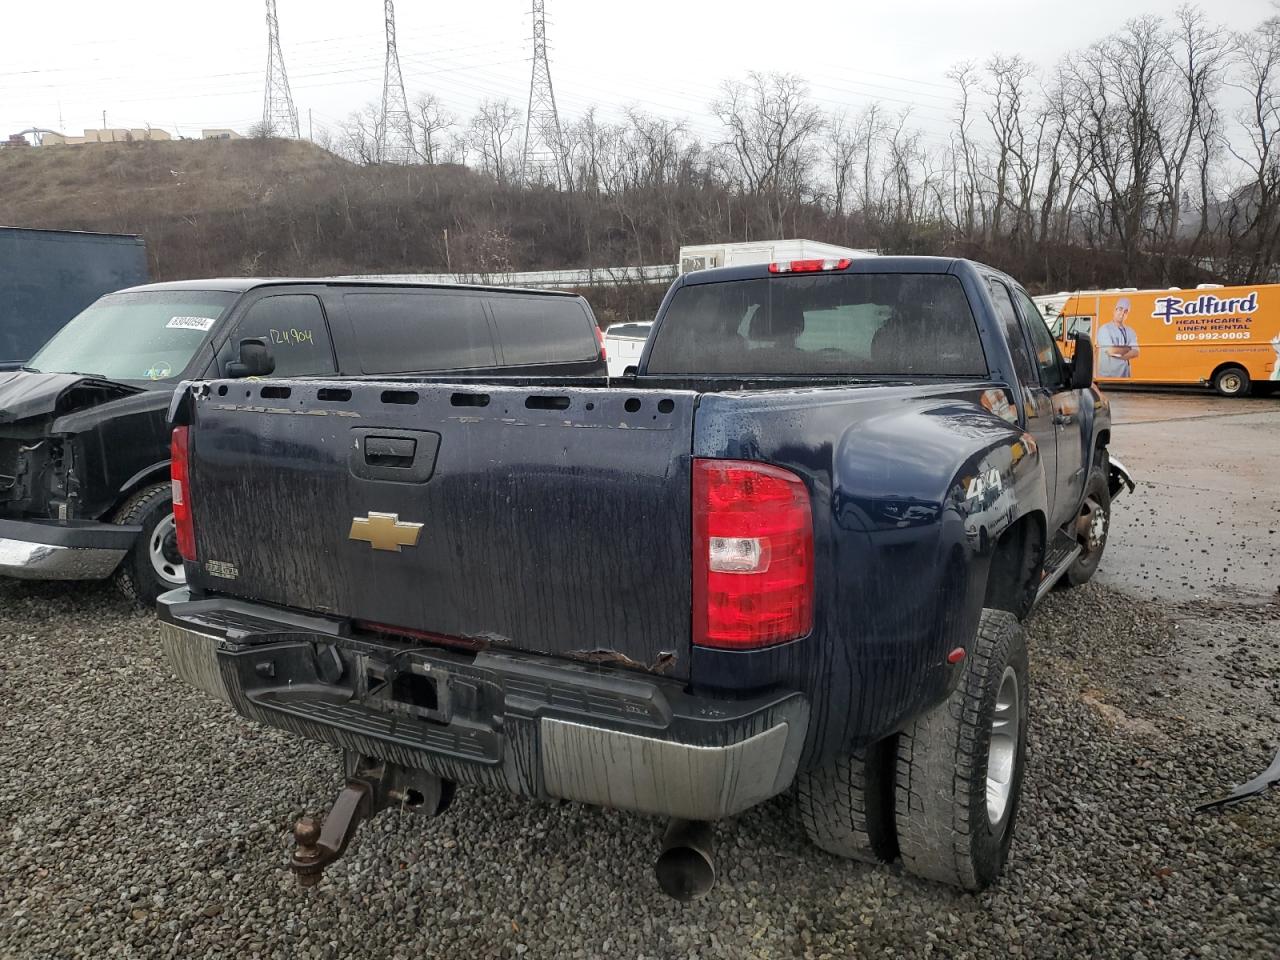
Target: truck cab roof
{"x":245,"y":284}
{"x":857,"y":265}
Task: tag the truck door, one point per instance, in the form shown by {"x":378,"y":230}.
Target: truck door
{"x":1035,"y":398}
{"x":293,"y":327}
{"x":1073,"y":457}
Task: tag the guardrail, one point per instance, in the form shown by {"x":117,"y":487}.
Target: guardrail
{"x":590,"y":277}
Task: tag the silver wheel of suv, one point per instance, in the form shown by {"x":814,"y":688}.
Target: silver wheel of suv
{"x":1002,"y":750}
{"x":163,"y":550}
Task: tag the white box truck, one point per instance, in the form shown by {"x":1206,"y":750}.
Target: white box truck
{"x":706,"y":256}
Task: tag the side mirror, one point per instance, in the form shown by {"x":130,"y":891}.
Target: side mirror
{"x":255,"y":360}
{"x":1082,"y":363}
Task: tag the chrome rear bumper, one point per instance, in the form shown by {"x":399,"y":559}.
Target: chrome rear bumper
{"x":537,"y":726}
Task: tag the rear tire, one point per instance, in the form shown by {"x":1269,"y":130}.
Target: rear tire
{"x":960,"y":766}
{"x":1232,"y":381}
{"x":153,"y":566}
{"x":847,"y":806}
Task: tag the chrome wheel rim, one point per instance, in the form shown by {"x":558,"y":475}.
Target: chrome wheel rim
{"x":166,"y":561}
{"x":1091,"y":528}
{"x":1002,"y":751}
{"x":1097,"y":525}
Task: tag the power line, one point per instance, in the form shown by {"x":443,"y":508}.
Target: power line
{"x":279,"y":115}
{"x":543,"y":144}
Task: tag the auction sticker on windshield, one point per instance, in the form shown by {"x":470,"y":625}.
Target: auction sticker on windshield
{"x":202,"y":324}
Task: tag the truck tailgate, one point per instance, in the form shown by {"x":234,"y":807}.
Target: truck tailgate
{"x":547,"y":519}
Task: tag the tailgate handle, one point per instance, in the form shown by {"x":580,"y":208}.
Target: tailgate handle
{"x":389,"y":451}
{"x":392,"y":454}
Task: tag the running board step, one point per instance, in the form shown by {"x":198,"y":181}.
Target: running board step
{"x":1061,"y":555}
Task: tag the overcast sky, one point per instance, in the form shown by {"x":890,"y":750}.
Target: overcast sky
{"x":183,"y":66}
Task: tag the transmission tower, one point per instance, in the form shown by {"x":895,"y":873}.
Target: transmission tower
{"x":543,"y":145}
{"x":279,"y":117}
{"x":395,"y":136}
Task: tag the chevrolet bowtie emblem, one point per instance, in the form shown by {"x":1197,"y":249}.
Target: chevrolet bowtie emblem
{"x":385,"y":531}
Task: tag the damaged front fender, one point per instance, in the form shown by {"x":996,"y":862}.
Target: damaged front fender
{"x":1118,"y":479}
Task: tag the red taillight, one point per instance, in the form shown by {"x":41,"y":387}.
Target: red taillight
{"x":180,"y":474}
{"x":604,"y":354}
{"x":809,"y":266}
{"x":752,"y":555}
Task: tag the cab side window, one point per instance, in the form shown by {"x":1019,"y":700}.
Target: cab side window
{"x":1053,"y":372}
{"x":543,"y":329}
{"x":415,"y":331}
{"x":1012,"y":332}
{"x":293,"y":327}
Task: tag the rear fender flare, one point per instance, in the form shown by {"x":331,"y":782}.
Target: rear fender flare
{"x":947,"y":461}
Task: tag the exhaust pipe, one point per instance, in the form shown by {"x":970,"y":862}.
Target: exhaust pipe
{"x":686,"y":868}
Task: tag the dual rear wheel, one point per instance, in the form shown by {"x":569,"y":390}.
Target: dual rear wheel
{"x":943,"y":794}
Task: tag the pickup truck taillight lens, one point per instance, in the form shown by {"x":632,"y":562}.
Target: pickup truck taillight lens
{"x":180,"y":475}
{"x":604,"y":353}
{"x":752,"y":555}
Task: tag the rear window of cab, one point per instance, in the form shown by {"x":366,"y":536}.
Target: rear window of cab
{"x":863,"y":324}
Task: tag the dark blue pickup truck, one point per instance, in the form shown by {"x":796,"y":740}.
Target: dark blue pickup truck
{"x":791,"y":553}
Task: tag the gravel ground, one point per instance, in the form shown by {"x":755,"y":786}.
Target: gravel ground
{"x":138,"y":819}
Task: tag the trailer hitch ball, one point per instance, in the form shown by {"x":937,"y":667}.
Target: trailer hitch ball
{"x":316,"y":845}
{"x":306,"y":839}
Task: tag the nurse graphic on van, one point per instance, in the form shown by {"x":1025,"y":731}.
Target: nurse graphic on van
{"x":1118,"y":343}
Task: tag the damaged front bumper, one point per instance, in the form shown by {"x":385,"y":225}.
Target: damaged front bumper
{"x":1119,"y":479}
{"x":70,"y":550}
{"x":536,"y":726}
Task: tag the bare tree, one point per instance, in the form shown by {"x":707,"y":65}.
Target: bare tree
{"x":433,"y":122}
{"x":1009,"y":82}
{"x":492,"y":134}
{"x":1197,"y":51}
{"x":1131,"y":96}
{"x":840,"y":150}
{"x":262,"y":130}
{"x":874,"y":125}
{"x":771,"y":126}
{"x":1254,"y":207}
{"x":966,"y":193}
{"x":360,"y":137}
{"x":1069,"y":146}
{"x":325,"y":140}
